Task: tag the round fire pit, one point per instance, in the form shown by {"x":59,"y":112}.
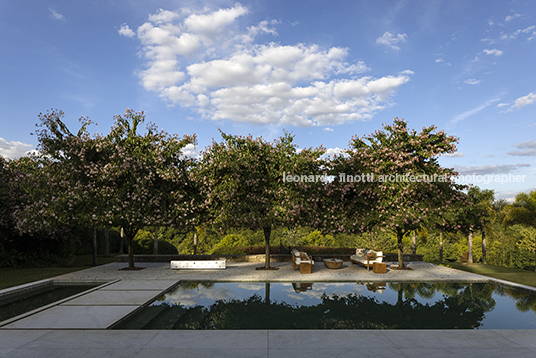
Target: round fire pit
{"x":333,"y":263}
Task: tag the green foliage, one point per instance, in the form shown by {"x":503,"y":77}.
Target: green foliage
{"x":325,"y":250}
{"x":143,"y":243}
{"x":229,"y":241}
{"x":315,"y":238}
{"x":241,"y":250}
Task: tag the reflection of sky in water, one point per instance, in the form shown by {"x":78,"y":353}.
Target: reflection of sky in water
{"x":190,"y":294}
{"x":504,"y":315}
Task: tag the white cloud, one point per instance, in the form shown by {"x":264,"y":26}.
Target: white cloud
{"x":519,"y":103}
{"x":190,"y":150}
{"x":453,"y":155}
{"x":14,"y":149}
{"x":327,"y":129}
{"x":206,"y":61}
{"x":333,"y":151}
{"x":493,"y":52}
{"x":472,"y":81}
{"x":126,"y":31}
{"x":524,"y":101}
{"x":439,"y":60}
{"x":473,"y":111}
{"x":490,"y":169}
{"x":388,"y":39}
{"x":529,"y":149}
{"x":55,"y":15}
{"x":512,"y":17}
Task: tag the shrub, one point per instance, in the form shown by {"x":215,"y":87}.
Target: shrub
{"x":143,"y":244}
{"x":324,"y":250}
{"x":240,"y":250}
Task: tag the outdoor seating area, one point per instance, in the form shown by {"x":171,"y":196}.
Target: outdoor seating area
{"x":302,"y":261}
{"x":367,"y":258}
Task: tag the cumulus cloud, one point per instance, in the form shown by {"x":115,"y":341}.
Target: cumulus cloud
{"x":528,"y":149}
{"x":490,"y":169}
{"x":524,"y":101}
{"x":519,"y":103}
{"x":190,"y":150}
{"x":126,"y":31}
{"x":389,"y":40}
{"x":205,"y":60}
{"x":331,"y":152}
{"x":14,"y":149}
{"x":493,"y":52}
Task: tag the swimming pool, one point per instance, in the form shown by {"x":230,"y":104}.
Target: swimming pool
{"x":31,"y":298}
{"x":345,"y":305}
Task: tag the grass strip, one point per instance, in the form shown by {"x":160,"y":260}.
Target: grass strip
{"x":520,"y":276}
{"x":11,"y":276}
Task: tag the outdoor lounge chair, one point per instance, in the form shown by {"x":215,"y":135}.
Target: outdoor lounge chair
{"x":301,"y":260}
{"x":366,"y":257}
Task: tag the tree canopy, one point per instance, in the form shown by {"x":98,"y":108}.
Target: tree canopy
{"x":124,"y":179}
{"x":391,"y":180}
{"x":243,"y":179}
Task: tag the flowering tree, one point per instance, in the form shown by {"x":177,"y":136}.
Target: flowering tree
{"x":123,"y":179}
{"x":246,"y":186}
{"x":397,"y":183}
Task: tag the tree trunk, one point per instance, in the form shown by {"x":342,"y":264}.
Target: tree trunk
{"x":106,"y":240}
{"x":399,"y":236}
{"x":267,"y":232}
{"x":400,"y":299}
{"x":122,"y":242}
{"x":94,"y":244}
{"x":484,"y":247}
{"x":129,"y":235}
{"x":155,"y":248}
{"x":195,"y":241}
{"x":414,"y":244}
{"x":470,"y":249}
{"x":440,"y":247}
{"x":267,"y":293}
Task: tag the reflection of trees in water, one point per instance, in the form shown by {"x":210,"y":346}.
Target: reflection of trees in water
{"x":462,"y":305}
{"x":525,"y":301}
{"x":472,"y":294}
{"x":465,"y":308}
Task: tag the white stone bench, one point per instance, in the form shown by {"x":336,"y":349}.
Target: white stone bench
{"x":199,"y":264}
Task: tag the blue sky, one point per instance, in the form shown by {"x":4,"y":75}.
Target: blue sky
{"x":325,"y":71}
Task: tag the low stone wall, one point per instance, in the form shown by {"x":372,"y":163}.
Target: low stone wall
{"x":407,"y":257}
{"x":228,"y":258}
{"x":250,"y":258}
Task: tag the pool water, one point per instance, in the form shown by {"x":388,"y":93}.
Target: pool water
{"x":347,"y":305}
{"x":27,"y":301}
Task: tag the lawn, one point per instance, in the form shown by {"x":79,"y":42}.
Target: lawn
{"x":523,"y":277}
{"x":10,"y":276}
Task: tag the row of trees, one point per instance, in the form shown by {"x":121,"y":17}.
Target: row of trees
{"x":131,"y":180}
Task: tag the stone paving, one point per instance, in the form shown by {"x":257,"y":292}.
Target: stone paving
{"x":246,"y":271}
{"x":76,"y":328}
